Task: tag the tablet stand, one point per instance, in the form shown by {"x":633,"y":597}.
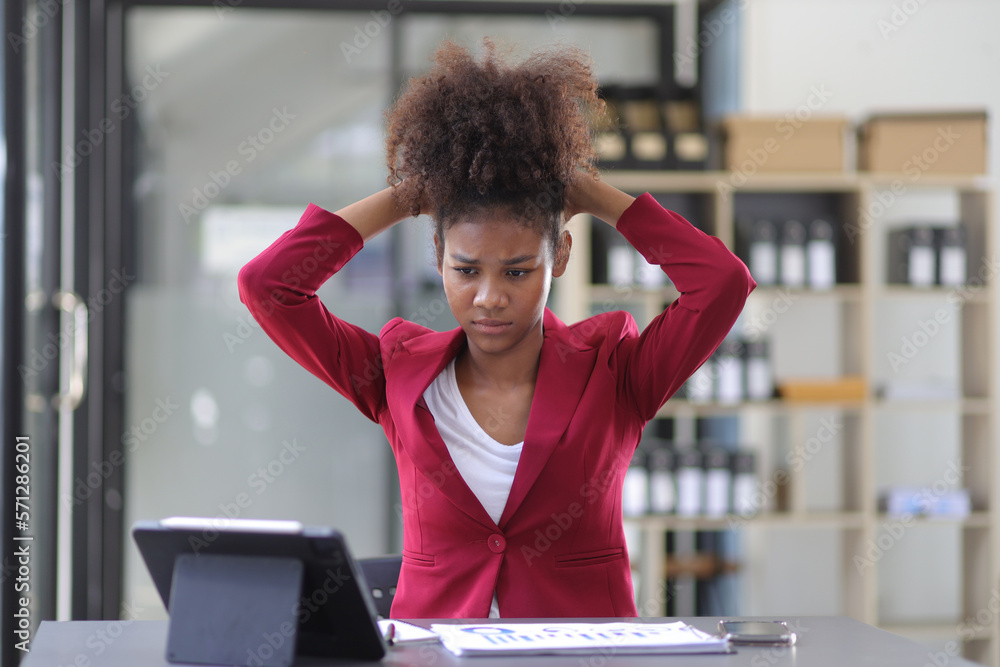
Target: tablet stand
{"x":234,"y":610}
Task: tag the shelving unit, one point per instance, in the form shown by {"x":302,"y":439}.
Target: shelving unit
{"x":859,"y":301}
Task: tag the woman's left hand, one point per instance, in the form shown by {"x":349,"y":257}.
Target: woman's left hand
{"x":588,"y":194}
{"x":576,"y":194}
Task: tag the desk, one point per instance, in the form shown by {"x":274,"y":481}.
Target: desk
{"x":824,"y":641}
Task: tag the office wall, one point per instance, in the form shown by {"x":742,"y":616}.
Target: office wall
{"x":869,"y":56}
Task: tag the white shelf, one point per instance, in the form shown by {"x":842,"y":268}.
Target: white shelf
{"x":975,"y":520}
{"x":716,"y":182}
{"x":681,"y":407}
{"x":848,"y":292}
{"x":790,"y":520}
{"x":949,"y":296}
{"x":966,"y":406}
{"x":627,"y":293}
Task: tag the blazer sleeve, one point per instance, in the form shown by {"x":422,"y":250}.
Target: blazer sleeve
{"x":713,"y":285}
{"x":279,"y":288}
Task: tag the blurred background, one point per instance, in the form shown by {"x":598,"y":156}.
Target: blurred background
{"x":152,"y":148}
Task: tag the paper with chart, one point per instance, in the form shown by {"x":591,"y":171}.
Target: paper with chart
{"x":562,"y":638}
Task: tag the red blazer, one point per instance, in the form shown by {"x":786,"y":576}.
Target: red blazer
{"x":559,"y":548}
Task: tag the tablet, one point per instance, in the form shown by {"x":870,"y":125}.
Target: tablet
{"x":335,"y":615}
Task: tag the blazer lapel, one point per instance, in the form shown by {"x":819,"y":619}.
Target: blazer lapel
{"x":564,"y":369}
{"x":414,"y":367}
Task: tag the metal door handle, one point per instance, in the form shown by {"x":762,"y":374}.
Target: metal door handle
{"x":70,"y":302}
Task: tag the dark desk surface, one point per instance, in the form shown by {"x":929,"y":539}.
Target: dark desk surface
{"x":824,"y":641}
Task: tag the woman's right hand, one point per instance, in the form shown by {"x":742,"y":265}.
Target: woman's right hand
{"x":375,"y":213}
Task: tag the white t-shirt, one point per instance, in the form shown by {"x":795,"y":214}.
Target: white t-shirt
{"x":486,"y":465}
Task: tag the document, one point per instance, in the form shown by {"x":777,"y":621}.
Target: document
{"x":577,"y":638}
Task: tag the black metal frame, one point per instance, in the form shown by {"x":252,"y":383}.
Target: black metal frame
{"x":47,"y":72}
{"x":45,"y":467}
{"x":101,"y":247}
{"x":102,"y":202}
{"x":12,"y":397}
{"x":662,"y":14}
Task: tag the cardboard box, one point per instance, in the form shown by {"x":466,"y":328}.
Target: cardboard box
{"x":917,"y":143}
{"x":784,"y":143}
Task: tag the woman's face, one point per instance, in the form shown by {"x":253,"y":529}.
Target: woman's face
{"x":497,"y":274}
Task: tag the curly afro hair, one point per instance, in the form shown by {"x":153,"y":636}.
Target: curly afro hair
{"x":472,"y":136}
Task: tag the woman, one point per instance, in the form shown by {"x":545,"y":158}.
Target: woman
{"x":513,"y":432}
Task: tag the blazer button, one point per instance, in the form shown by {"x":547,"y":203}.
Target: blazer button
{"x":497,"y":543}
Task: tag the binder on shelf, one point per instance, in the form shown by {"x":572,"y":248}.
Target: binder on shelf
{"x":649,"y":146}
{"x":702,"y":481}
{"x":646,"y":127}
{"x":952,"y":256}
{"x":662,"y":486}
{"x":718,"y":481}
{"x":609,"y":142}
{"x":682,"y":115}
{"x":792,"y":255}
{"x":761,"y":252}
{"x":610,"y":146}
{"x":688,"y":143}
{"x":611,"y":256}
{"x":635,"y":492}
{"x":821,"y":255}
{"x":759,"y":376}
{"x":690,"y":482}
{"x":649,"y":276}
{"x":745,"y":483}
{"x":647,"y":140}
{"x":921,"y":260}
{"x":700,"y":387}
{"x":912,"y":259}
{"x":621,"y":264}
{"x":690,"y":149}
{"x":730,"y":371}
